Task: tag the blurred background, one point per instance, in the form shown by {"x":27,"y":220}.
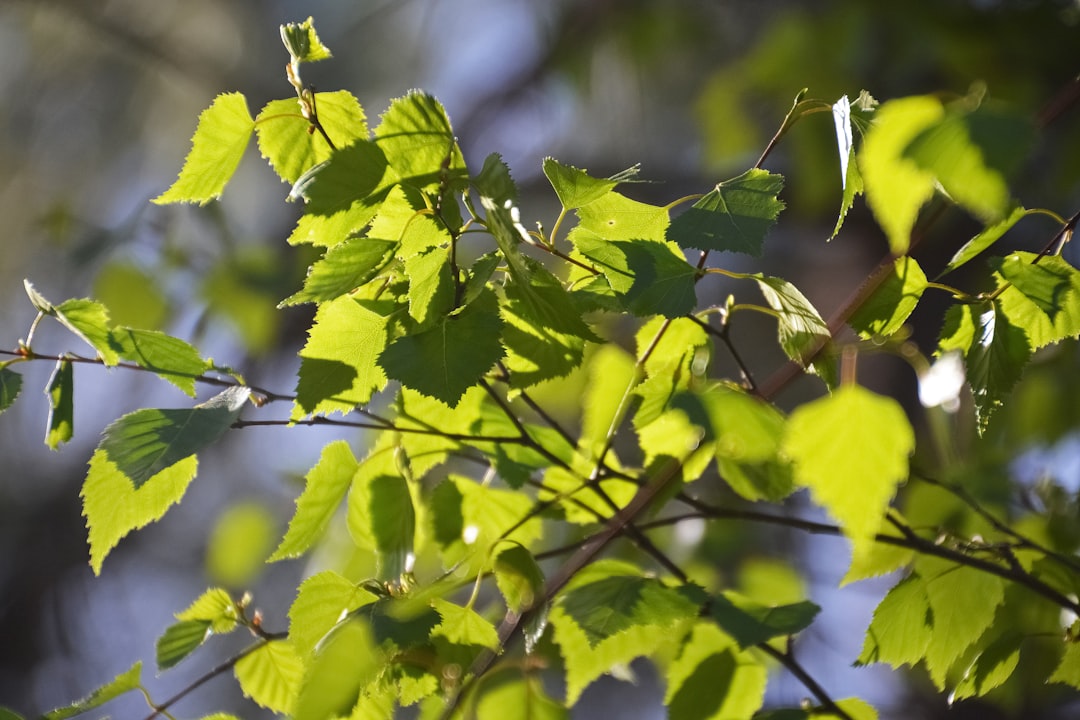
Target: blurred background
{"x":99,"y":101}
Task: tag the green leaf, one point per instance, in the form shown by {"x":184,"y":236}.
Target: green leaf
{"x":284,"y":138}
{"x":970,"y":153}
{"x":535,"y":353}
{"x":900,"y":632}
{"x":518,"y":578}
{"x":393,"y":525}
{"x":303,"y":42}
{"x":963,"y":602}
{"x":673,"y":360}
{"x":799,"y":328}
{"x":342,"y":194}
{"x":10,"y":385}
{"x":346,"y":663}
{"x":123,"y":683}
{"x":611,"y":605}
{"x":450,"y":357}
{"x":322,"y":600}
{"x":896,"y":187}
{"x":468,"y":518}
{"x":509,"y":694}
{"x":616,"y":217}
{"x":856,"y":708}
{"x":239,"y":543}
{"x":170,"y":358}
{"x":853,"y":187}
{"x":404,"y":216}
{"x":214,"y":606}
{"x":180,"y":640}
{"x":338,"y":368}
{"x":1023,"y":312}
{"x":463,"y":626}
{"x":735,"y":215}
{"x":993,"y":666}
{"x":884,"y":312}
{"x":851,"y":450}
{"x":216,"y":149}
{"x":651,"y":277}
{"x":90,"y":321}
{"x":495,"y":182}
{"x":746,"y":434}
{"x":431,"y":285}
{"x":419,"y":143}
{"x":6,"y":714}
{"x":751,"y":623}
{"x":345,"y":267}
{"x":995,"y":353}
{"x":134,"y":296}
{"x":573,"y":186}
{"x":61,"y":393}
{"x":324,"y":489}
{"x":990,"y":234}
{"x":612,"y":376}
{"x":1068,"y":670}
{"x":1047,"y":283}
{"x":712,"y":679}
{"x":114,"y":507}
{"x":271,"y":675}
{"x":143,"y":443}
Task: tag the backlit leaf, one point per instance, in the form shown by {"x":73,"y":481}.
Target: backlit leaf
{"x":509,"y":694}
{"x":431,"y":285}
{"x":712,"y":679}
{"x":884,"y":312}
{"x":345,"y":267}
{"x":271,"y":675}
{"x":463,"y":626}
{"x":800,"y":329}
{"x":344,"y":666}
{"x":735,"y":215}
{"x":1047,"y":283}
{"x":180,"y":640}
{"x":10,"y":385}
{"x":393,"y":525}
{"x":903,"y":623}
{"x":896,"y":187}
{"x":123,"y":683}
{"x":447,"y":359}
{"x":134,"y":296}
{"x":143,"y":443}
{"x":303,"y":42}
{"x":114,"y":507}
{"x":611,"y":605}
{"x":90,"y":321}
{"x":518,"y":578}
{"x":855,"y":487}
{"x":535,"y":353}
{"x":1068,"y":670}
{"x":170,"y":358}
{"x":284,"y":140}
{"x":652,"y":278}
{"x":1023,"y":312}
{"x":612,"y":375}
{"x":216,"y":149}
{"x":419,"y":143}
{"x":61,"y":393}
{"x":990,"y":234}
{"x":573,"y":186}
{"x":322,"y":601}
{"x":214,"y":606}
{"x":993,"y":666}
{"x":337,"y":365}
{"x":324,"y":489}
{"x":613,"y":216}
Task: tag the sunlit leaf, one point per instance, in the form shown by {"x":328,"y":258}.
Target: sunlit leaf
{"x":123,"y":683}
{"x":735,"y":215}
{"x":611,"y":605}
{"x":431,"y":285}
{"x":800,"y":329}
{"x":509,"y":694}
{"x":896,"y":187}
{"x":419,"y":143}
{"x":324,"y":489}
{"x":462,"y":625}
{"x":345,"y":664}
{"x":652,"y":278}
{"x":1068,"y":670}
{"x":990,"y":234}
{"x":303,"y":42}
{"x":143,"y":443}
{"x":284,"y":138}
{"x":613,"y":216}
{"x":10,"y":385}
{"x":345,"y":267}
{"x":851,"y":450}
{"x":447,"y":359}
{"x":322,"y":601}
{"x":573,"y":186}
{"x":61,"y":394}
{"x":1047,"y":283}
{"x":168,"y":357}
{"x":853,"y":187}
{"x":712,"y":679}
{"x":518,"y":578}
{"x":90,"y":321}
{"x":216,"y":607}
{"x":884,"y":312}
{"x":1025,"y":313}
{"x":216,"y":149}
{"x":393,"y":525}
{"x":337,"y":365}
{"x":180,"y":640}
{"x":271,"y":675}
{"x":114,"y":507}
{"x":903,"y":623}
{"x":993,"y":666}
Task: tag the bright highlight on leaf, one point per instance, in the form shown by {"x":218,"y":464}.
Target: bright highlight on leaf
{"x":851,"y":450}
{"x":216,"y":149}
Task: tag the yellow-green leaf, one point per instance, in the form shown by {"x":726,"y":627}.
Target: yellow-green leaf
{"x":271,"y":675}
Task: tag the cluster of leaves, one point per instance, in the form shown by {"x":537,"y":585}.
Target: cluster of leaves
{"x":433,"y":297}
